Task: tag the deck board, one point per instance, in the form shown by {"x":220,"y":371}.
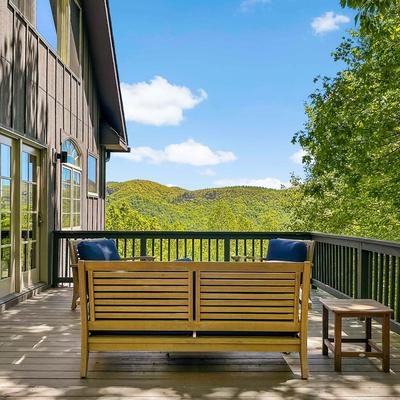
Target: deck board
{"x":40,"y":354}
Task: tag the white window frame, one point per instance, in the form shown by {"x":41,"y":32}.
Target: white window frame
{"x":89,"y":193}
{"x":73,"y":169}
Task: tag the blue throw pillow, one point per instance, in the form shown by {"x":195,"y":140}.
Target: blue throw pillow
{"x":286,"y":250}
{"x":98,"y":250}
{"x":187,"y":259}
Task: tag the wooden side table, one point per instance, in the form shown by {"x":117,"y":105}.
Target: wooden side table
{"x":360,"y":308}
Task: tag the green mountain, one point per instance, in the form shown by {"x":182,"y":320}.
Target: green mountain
{"x":146,"y":205}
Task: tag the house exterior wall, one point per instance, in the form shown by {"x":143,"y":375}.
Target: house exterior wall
{"x":41,"y":98}
{"x":43,"y":103}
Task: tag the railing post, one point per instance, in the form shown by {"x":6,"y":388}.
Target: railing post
{"x":363,"y":273}
{"x":53,"y":270}
{"x":143,"y":246}
{"x":227,"y":250}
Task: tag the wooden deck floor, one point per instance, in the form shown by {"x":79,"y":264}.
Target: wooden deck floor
{"x":39,"y":358}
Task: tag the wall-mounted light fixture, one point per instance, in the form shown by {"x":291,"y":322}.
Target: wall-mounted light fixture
{"x":62,"y":157}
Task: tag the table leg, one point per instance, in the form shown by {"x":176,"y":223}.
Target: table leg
{"x":368,"y":332}
{"x":338,"y":342}
{"x":325,"y":329}
{"x":386,"y":343}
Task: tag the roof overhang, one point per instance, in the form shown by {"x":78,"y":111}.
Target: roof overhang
{"x":111,"y":140}
{"x":101,"y":43}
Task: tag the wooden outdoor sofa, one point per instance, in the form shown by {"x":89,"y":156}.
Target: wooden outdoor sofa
{"x":194,"y":307}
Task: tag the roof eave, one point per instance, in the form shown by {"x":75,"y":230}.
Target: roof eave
{"x":102,"y":49}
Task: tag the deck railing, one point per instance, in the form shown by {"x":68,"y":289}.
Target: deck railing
{"x":345,"y":266}
{"x":355,"y":267}
{"x":168,"y":246}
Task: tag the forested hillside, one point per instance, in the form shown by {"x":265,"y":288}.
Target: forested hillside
{"x":145,"y":205}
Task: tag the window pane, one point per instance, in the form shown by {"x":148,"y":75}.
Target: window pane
{"x":30,"y":226}
{"x":66,"y":220}
{"x":75,"y":37}
{"x":77,"y":178}
{"x":77,"y":192}
{"x":23,"y":256}
{"x":30,"y":198}
{"x":5,"y":195}
{"x":34,"y":226}
{"x":24,"y":166}
{"x":32,"y":255}
{"x":92,"y":174}
{"x":32,"y":168}
{"x":77,"y":220}
{"x":66,"y":205}
{"x":24,"y":196}
{"x":46,"y":17}
{"x":73,"y":157}
{"x":66,"y":177}
{"x":77,"y":206}
{"x":25,"y":226}
{"x":66,"y":191}
{"x":5,"y":232}
{"x":5,"y":262}
{"x":5,"y":160}
{"x":33,"y":194}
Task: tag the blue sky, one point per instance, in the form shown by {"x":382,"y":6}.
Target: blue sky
{"x":214,"y":89}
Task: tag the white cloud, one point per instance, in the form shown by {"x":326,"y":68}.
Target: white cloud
{"x":272,"y":183}
{"x":158,"y":102}
{"x":208,"y":172}
{"x":247,"y":4}
{"x":297,"y":157}
{"x":189,"y":152}
{"x":328,"y":22}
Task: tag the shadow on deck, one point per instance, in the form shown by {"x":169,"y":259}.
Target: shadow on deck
{"x":40,"y":355}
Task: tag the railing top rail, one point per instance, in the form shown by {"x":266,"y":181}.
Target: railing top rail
{"x":180,"y":234}
{"x":375,"y":245}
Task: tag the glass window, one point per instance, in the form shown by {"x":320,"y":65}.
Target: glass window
{"x":75,"y":37}
{"x":5,"y":160}
{"x":71,"y":188}
{"x":73,"y":156}
{"x":46,"y":17}
{"x":92,"y":175}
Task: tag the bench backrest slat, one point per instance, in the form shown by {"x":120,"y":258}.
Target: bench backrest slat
{"x":245,"y":296}
{"x":157,"y":295}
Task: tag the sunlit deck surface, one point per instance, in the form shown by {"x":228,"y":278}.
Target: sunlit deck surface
{"x":40,"y":354}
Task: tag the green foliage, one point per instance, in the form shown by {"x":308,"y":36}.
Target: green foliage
{"x":144,"y":205}
{"x":352,"y":134}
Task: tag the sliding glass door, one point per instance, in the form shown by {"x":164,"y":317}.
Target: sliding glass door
{"x":29,"y":259}
{"x":7,"y":218}
{"x":19,"y":215}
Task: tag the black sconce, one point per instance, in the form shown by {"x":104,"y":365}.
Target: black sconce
{"x":63,"y":157}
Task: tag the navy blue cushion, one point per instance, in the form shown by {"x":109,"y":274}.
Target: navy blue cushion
{"x":286,"y":250}
{"x":184,"y":259}
{"x":98,"y":250}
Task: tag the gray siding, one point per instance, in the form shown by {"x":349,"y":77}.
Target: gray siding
{"x":41,"y":98}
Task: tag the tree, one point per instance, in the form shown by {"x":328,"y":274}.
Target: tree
{"x":352,"y":134}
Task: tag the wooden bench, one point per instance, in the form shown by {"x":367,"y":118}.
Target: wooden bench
{"x":195,"y":307}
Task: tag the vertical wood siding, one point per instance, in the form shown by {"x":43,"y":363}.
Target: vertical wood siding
{"x":41,"y":98}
